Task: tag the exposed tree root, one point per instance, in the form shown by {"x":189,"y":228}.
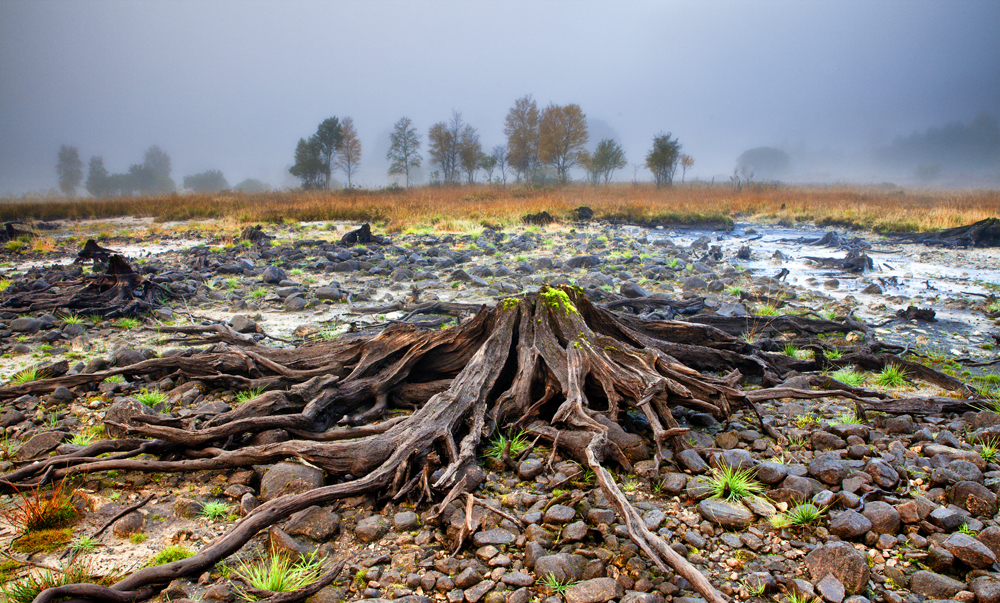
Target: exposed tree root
{"x":550,"y":361}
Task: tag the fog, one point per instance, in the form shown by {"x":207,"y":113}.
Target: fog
{"x":847,"y":89}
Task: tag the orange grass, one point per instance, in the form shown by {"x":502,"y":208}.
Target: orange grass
{"x":459,"y":208}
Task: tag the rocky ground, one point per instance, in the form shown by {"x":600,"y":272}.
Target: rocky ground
{"x":906,"y":505}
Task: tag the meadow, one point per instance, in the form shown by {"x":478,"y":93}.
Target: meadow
{"x":469,"y":208}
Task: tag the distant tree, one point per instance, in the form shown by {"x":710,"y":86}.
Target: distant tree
{"x":252,"y":185}
{"x":499,"y":155}
{"x":521,"y":129}
{"x":443,"y":146}
{"x":329,"y":139}
{"x":607,"y":158}
{"x":152,"y":176}
{"x":69,"y":168}
{"x":349,"y":156}
{"x":469,"y":152}
{"x":404,"y":149}
{"x":97,"y":177}
{"x":488,"y":163}
{"x":662,"y":159}
{"x":764,"y":162}
{"x":309,"y":166}
{"x":687,"y":162}
{"x":209,"y":181}
{"x":588,"y":165}
{"x":562,"y":137}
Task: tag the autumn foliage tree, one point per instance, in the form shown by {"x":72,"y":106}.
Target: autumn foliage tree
{"x":521,"y":129}
{"x":470,"y":152}
{"x":443,"y":146}
{"x":562,"y":138}
{"x":687,"y":162}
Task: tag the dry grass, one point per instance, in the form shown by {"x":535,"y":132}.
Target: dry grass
{"x":469,"y":208}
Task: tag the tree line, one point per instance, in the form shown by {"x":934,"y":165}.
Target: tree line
{"x":542,"y":146}
{"x":151,"y":177}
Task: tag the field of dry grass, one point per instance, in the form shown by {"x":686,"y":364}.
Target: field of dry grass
{"x":469,"y":208}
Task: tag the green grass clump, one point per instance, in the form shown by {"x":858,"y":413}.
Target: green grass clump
{"x":151,"y":397}
{"x":169,"y":555}
{"x":72,"y":318}
{"x":555,"y":584}
{"x":518,"y":443}
{"x":892,"y":375}
{"x":834,"y":354}
{"x":849,"y":376}
{"x":214,"y":510}
{"x":800,"y":515}
{"x":249,"y":394}
{"x":24,"y":376}
{"x":115,"y":379}
{"x":5,"y":283}
{"x":790,"y":349}
{"x":733,"y":484}
{"x":281,"y":574}
{"x":24,"y":590}
{"x":81,"y":439}
{"x":127,"y":323}
{"x":766,"y":310}
{"x":258,"y":293}
{"x":138,"y":538}
{"x":989,"y":449}
{"x":83,"y":545}
{"x":846,"y":418}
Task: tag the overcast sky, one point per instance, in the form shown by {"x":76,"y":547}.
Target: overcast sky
{"x":233,"y":85}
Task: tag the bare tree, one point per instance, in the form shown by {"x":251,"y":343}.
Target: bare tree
{"x":502,"y":164}
{"x":687,"y":162}
{"x":404,"y":149}
{"x":469,"y":152}
{"x":349,"y":156}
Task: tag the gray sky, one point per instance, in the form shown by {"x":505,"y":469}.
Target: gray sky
{"x":232,"y":85}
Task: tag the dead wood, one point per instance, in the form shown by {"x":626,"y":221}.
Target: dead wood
{"x":118,"y":292}
{"x":550,"y":360}
{"x":361,"y":236}
{"x":984,"y":233}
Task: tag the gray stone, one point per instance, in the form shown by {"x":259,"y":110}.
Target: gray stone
{"x":883,"y":475}
{"x":596,"y":590}
{"x":883,"y":516}
{"x":371,"y":528}
{"x":946,"y":519}
{"x":273,"y":275}
{"x":559,"y":514}
{"x":975,"y":498}
{"x":121,"y":412}
{"x":850,"y":524}
{"x":562,"y":566}
{"x":828,"y":468}
{"x":582,"y":261}
{"x":41,"y":444}
{"x":632,"y":290}
{"x":731,"y":516}
{"x":529,"y":469}
{"x":468,"y":578}
{"x":831,"y":589}
{"x":26,"y":325}
{"x":771,"y":473}
{"x":991,"y":538}
{"x":575,"y":532}
{"x":986,"y":589}
{"x":405,"y":521}
{"x":130,"y":524}
{"x":934,"y":586}
{"x":496,"y":536}
{"x":317,"y":523}
{"x":822,"y":440}
{"x":847,"y":564}
{"x":289,"y":478}
{"x":969,"y":551}
{"x":690,"y":459}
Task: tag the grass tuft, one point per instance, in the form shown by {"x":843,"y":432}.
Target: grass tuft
{"x":892,"y":375}
{"x":249,"y":394}
{"x":518,"y":444}
{"x":169,"y":555}
{"x":280,"y":574}
{"x":733,"y":484}
{"x":801,"y":515}
{"x":215,"y":510}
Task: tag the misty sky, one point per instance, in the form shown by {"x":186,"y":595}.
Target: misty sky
{"x":233,"y":85}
